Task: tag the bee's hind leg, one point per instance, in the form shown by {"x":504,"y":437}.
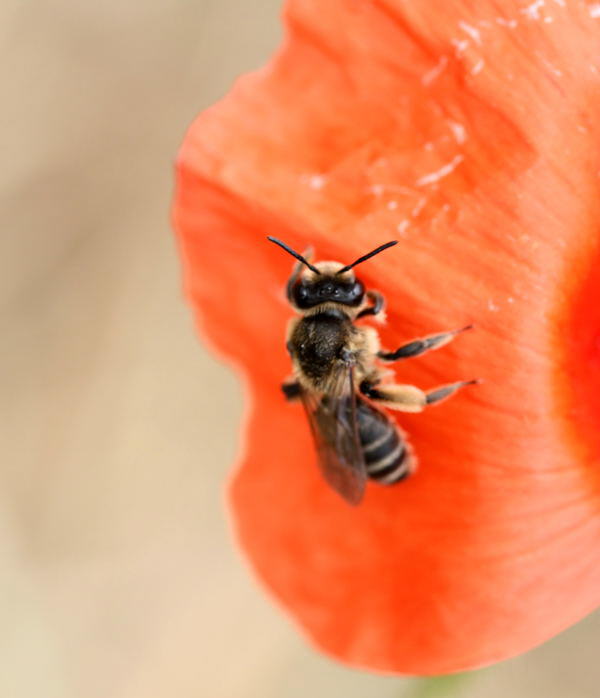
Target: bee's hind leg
{"x":445,"y":391}
{"x":409,"y":398}
{"x":291,"y":389}
{"x":406,"y":398}
{"x":420,"y":346}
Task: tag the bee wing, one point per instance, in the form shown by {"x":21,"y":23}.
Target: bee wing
{"x":332,"y":418}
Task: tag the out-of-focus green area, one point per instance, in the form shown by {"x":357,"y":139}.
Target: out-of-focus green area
{"x":118,"y":576}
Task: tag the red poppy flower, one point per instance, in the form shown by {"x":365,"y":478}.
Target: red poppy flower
{"x":470,"y":132}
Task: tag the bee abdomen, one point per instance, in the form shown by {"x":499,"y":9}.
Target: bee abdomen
{"x":387,"y":457}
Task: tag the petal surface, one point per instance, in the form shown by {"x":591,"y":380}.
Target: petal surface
{"x":469,"y":131}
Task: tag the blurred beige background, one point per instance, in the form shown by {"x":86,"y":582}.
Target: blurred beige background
{"x":117,"y":576}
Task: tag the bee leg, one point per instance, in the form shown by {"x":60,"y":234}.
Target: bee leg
{"x":409,"y":398}
{"x":445,"y":391}
{"x":291,"y":389}
{"x":420,"y":346}
{"x":376,"y":308}
{"x":405,"y":398}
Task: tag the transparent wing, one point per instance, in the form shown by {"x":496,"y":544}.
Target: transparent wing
{"x":332,"y":418}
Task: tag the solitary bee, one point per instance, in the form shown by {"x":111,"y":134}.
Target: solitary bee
{"x":339,"y":382}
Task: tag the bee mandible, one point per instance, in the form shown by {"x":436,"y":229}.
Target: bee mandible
{"x":338,"y":377}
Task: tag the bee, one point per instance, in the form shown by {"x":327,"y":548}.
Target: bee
{"x":338,"y":377}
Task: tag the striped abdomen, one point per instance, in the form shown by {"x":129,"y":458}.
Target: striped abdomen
{"x":386,"y":453}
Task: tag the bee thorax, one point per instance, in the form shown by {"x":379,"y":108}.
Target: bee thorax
{"x":318,"y":343}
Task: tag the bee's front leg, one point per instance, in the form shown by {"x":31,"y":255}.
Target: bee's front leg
{"x":378,"y":304}
{"x":291,"y":389}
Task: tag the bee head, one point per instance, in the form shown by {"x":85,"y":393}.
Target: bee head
{"x":310,"y":289}
{"x":326,"y":282}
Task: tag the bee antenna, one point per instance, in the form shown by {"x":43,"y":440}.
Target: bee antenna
{"x":289,"y":250}
{"x":364,"y":258}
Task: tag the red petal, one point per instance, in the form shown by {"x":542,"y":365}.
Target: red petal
{"x":472,"y":133}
